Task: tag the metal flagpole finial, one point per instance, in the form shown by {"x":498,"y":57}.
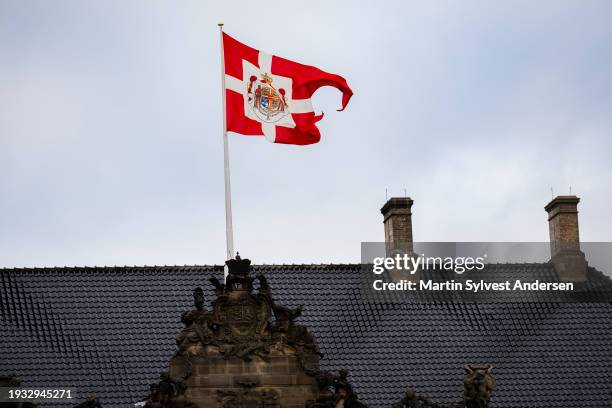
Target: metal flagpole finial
{"x":220,"y":24}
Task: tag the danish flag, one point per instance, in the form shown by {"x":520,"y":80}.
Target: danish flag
{"x":270,"y":96}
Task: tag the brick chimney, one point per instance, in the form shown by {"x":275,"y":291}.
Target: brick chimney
{"x":398,"y":225}
{"x":565,"y":252}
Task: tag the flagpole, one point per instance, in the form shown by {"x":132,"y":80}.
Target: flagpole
{"x":229,"y":234}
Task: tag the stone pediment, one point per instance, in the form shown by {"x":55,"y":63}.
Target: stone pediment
{"x":247,"y":351}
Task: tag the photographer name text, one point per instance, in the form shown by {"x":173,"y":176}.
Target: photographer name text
{"x":471,"y":285}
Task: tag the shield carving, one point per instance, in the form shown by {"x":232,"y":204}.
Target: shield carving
{"x":239,"y":317}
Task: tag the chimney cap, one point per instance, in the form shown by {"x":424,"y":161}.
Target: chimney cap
{"x":397,"y":203}
{"x":565,"y":199}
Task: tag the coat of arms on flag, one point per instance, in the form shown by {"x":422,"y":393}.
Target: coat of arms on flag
{"x":271,"y":96}
{"x":267,"y":102}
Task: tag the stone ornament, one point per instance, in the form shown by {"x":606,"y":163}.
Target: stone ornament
{"x":168,"y":393}
{"x":478,"y":384}
{"x":240,"y":323}
{"x":248,"y":398}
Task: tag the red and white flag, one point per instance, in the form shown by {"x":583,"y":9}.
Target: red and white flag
{"x":271,"y":96}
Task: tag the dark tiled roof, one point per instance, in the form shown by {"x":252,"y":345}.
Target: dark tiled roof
{"x":110,"y":331}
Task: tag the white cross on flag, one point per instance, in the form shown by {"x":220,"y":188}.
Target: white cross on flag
{"x":270,"y":96}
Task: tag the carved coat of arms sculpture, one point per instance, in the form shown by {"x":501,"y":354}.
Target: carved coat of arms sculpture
{"x":240,"y":323}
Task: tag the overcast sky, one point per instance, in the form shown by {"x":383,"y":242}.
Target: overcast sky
{"x":110,"y":127}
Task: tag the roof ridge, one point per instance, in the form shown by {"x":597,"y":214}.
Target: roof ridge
{"x":106,"y":267}
{"x":218,"y":266}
